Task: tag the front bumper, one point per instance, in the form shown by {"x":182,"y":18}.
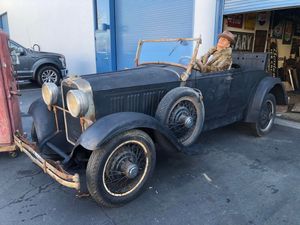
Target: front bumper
{"x":53,"y":169}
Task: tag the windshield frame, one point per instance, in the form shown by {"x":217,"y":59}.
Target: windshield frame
{"x":188,"y":67}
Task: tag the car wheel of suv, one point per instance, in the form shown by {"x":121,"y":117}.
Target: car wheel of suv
{"x":117,"y":172}
{"x":182,"y":111}
{"x":266,"y":116}
{"x":48,"y":74}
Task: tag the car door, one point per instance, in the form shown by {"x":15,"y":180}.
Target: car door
{"x":24,"y":68}
{"x":238,"y":91}
{"x":215,"y":88}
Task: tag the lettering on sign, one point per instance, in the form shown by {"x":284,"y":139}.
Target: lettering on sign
{"x":244,"y":41}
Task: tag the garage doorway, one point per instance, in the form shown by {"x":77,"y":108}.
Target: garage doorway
{"x":277,"y":33}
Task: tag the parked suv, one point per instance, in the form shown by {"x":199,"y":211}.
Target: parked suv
{"x":43,"y":67}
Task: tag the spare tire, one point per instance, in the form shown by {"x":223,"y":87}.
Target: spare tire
{"x":182,"y":111}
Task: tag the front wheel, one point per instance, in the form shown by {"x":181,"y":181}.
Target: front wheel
{"x":266,"y":116}
{"x":117,"y":172}
{"x":48,"y":74}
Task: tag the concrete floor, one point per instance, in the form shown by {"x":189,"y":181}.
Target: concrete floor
{"x":234,"y":179}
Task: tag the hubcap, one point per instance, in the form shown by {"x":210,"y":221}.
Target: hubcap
{"x":187,"y":121}
{"x":49,"y":76}
{"x":182,"y":119}
{"x":131,"y":170}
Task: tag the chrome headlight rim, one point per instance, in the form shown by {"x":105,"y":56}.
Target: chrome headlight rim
{"x":50,"y":93}
{"x":77,"y":103}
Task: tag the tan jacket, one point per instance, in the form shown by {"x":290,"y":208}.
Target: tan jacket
{"x":220,"y":61}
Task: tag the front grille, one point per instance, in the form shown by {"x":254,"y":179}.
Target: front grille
{"x":72,"y":124}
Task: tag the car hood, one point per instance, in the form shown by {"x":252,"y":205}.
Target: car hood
{"x":140,"y":76}
{"x":45,"y":54}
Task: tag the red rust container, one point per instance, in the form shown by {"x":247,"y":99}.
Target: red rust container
{"x":10,"y":116}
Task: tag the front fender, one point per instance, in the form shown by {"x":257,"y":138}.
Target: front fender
{"x":44,"y":61}
{"x":266,"y":85}
{"x":43,"y":119}
{"x":114,"y":124}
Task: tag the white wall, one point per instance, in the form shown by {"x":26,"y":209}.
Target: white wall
{"x":65,"y":27}
{"x":204,"y":23}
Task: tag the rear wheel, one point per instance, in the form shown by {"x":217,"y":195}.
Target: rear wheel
{"x":266,"y":116}
{"x":117,"y":172}
{"x":48,"y":74}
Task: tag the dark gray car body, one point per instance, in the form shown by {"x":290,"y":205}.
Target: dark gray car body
{"x":31,"y":61}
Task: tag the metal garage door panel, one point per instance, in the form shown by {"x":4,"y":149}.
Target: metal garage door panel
{"x":144,"y":19}
{"x":240,"y":6}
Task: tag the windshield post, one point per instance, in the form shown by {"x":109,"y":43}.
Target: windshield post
{"x":184,"y":76}
{"x":138,"y":53}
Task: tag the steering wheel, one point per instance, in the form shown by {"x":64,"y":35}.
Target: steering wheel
{"x":181,"y":60}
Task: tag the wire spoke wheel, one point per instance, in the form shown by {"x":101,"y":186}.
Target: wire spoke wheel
{"x":267,"y":115}
{"x":182,"y":119}
{"x":125,"y":168}
{"x":118,"y":171}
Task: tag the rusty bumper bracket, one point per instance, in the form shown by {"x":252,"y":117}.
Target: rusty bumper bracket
{"x":53,"y":169}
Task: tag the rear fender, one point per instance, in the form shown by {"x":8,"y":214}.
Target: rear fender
{"x":109,"y":126}
{"x":266,"y":85}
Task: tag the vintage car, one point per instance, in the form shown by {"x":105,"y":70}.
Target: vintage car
{"x":112,"y":123}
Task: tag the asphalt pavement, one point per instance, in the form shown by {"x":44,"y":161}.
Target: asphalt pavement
{"x":235,"y":179}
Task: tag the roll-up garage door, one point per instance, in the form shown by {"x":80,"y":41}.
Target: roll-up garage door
{"x":144,"y":19}
{"x":241,"y":6}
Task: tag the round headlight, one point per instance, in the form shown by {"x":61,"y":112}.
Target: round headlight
{"x":50,"y":93}
{"x":77,"y":103}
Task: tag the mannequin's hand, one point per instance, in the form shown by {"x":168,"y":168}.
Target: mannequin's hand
{"x":199,"y":64}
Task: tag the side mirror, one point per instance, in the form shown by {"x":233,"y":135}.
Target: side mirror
{"x":20,"y":51}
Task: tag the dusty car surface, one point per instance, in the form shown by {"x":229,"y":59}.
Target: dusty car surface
{"x":112,"y":123}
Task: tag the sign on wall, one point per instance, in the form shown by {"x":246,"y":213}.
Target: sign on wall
{"x":235,"y":21}
{"x":250,"y":20}
{"x":244,"y":41}
{"x":262,"y":18}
